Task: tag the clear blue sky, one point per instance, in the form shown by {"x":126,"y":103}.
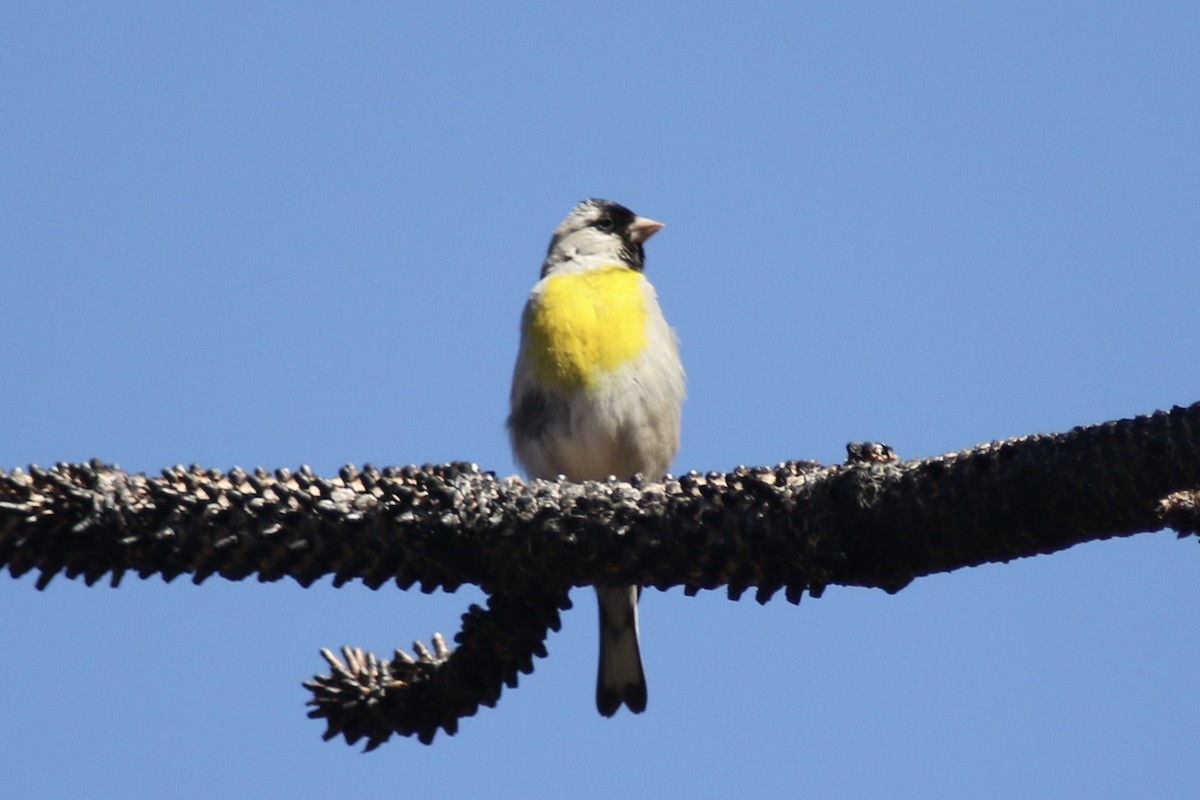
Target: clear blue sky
{"x":285,"y":233}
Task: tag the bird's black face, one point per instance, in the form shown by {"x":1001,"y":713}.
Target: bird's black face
{"x":615,"y":219}
{"x":602,"y":226}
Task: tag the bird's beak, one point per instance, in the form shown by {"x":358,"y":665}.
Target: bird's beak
{"x":642,"y":228}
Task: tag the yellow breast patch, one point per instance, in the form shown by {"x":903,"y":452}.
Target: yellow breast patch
{"x":585,"y":324}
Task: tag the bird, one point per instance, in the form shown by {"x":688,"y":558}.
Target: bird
{"x":598,"y":390}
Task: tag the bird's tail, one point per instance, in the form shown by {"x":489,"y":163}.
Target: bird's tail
{"x":621,"y":678}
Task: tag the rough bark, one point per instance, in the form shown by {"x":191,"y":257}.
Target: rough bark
{"x":796,"y":527}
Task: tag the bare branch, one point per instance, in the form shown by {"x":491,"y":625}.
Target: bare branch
{"x":798,"y":526}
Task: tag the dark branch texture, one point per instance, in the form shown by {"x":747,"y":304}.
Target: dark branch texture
{"x":798,"y":527}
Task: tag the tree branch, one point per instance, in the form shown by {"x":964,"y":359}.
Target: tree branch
{"x":798,"y":526}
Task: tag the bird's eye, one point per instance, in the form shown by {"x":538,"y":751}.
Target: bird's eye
{"x":605,"y":224}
